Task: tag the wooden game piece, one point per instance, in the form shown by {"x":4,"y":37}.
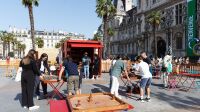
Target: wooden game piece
{"x":113,"y":97}
{"x":79,"y":103}
{"x":90,"y":98}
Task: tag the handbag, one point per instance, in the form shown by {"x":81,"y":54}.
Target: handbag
{"x":19,"y":74}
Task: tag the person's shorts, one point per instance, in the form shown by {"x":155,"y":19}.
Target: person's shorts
{"x":145,"y":82}
{"x":73,"y":81}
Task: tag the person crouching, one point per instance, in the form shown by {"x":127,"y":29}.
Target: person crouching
{"x":117,"y":70}
{"x":146,"y":78}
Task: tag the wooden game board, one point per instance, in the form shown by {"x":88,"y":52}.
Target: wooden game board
{"x":96,"y":102}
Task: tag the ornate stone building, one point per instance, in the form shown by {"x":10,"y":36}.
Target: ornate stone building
{"x":133,"y":33}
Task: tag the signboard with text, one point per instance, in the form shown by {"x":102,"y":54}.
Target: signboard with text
{"x":191,"y":27}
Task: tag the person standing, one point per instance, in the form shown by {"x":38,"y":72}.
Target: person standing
{"x":86,"y":65}
{"x":146,"y":78}
{"x":113,"y":60}
{"x":73,"y":75}
{"x":147,"y":60}
{"x":43,"y":65}
{"x":29,"y":70}
{"x":116,"y":72}
{"x":167,"y":68}
{"x":96,"y":67}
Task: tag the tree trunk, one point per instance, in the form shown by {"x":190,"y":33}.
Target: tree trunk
{"x":30,"y":8}
{"x":105,"y":35}
{"x":20,"y":52}
{"x":8,"y":47}
{"x":4,"y":49}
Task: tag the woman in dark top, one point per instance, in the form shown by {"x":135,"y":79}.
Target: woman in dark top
{"x":29,"y":70}
{"x":42,"y":65}
{"x":95,"y":69}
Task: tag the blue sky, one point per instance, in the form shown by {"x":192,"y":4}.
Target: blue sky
{"x":68,"y":15}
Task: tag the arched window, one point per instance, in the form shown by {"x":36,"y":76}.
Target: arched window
{"x":179,"y":40}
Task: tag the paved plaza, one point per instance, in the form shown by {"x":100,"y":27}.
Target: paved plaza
{"x":162,"y":100}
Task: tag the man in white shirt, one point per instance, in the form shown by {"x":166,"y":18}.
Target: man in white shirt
{"x":146,"y":78}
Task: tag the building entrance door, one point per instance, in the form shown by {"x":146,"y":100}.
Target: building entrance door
{"x":161,"y":48}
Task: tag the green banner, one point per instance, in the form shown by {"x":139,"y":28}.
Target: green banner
{"x":191,"y":27}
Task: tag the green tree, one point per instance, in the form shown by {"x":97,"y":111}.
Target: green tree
{"x":105,"y":10}
{"x":154,"y":18}
{"x":23,"y":47}
{"x":58,"y":45}
{"x":2,"y":38}
{"x":19,"y":48}
{"x":6,"y":38}
{"x":14,"y":41}
{"x":39,"y":42}
{"x":29,"y":4}
{"x":97,"y":37}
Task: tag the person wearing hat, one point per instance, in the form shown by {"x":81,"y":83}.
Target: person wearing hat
{"x":86,"y":65}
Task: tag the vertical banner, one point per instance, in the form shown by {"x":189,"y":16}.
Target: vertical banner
{"x":191,"y":27}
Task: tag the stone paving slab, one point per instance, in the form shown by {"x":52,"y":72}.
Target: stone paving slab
{"x":162,"y":100}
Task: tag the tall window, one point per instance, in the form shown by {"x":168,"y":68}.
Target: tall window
{"x":179,"y":14}
{"x":154,"y":1}
{"x":139,"y":4}
{"x":147,"y":3}
{"x":179,"y":40}
{"x":139,"y":28}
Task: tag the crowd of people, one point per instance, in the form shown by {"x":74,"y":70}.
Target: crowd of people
{"x":33,"y":71}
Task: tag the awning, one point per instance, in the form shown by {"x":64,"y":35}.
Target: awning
{"x":87,"y":45}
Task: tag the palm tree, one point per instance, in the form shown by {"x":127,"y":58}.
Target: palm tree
{"x":23,"y":47}
{"x":58,"y":45}
{"x":6,"y":38}
{"x":10,"y":38}
{"x":29,"y":4}
{"x":14,"y":41}
{"x":105,"y":10}
{"x":19,"y":46}
{"x":39,"y":42}
{"x":154,"y":18}
{"x":2,"y":38}
{"x":97,"y":37}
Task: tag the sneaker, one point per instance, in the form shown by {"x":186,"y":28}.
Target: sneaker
{"x":141,"y":100}
{"x":34,"y":107}
{"x":148,"y":99}
{"x":92,"y":78}
{"x":38,"y":97}
{"x":25,"y":107}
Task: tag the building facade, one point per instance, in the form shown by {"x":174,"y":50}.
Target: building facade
{"x":50,"y":38}
{"x":133,"y":33}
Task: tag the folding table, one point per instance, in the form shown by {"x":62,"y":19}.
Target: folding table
{"x":55,"y":85}
{"x":190,"y":78}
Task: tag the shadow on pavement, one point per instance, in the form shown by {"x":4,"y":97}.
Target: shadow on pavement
{"x":102,"y":88}
{"x":18,"y":97}
{"x":178,"y":102}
